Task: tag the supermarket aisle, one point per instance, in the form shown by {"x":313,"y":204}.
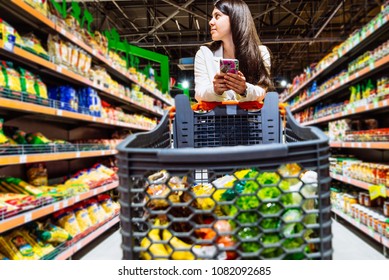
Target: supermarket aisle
{"x":347,"y":246}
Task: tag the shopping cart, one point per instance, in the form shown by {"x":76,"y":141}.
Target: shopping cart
{"x":226,"y":188}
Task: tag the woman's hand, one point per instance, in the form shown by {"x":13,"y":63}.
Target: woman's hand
{"x":236,"y":82}
{"x":219,"y":83}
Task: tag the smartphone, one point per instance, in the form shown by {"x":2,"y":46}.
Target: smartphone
{"x":229,"y":65}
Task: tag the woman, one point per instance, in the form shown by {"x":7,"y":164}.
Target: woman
{"x":234,"y":36}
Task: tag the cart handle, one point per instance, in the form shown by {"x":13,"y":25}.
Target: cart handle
{"x":209,"y":106}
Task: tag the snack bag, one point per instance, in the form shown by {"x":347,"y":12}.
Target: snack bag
{"x":83,"y":218}
{"x":12,"y":76}
{"x":93,"y":211}
{"x":17,"y":247}
{"x":37,"y":138}
{"x":20,"y":137}
{"x":27,"y":81}
{"x":40,"y":247}
{"x":40,"y":88}
{"x":68,"y":221}
{"x":3,"y":137}
{"x":105,"y":201}
{"x":37,"y":174}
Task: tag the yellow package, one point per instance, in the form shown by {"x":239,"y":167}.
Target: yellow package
{"x":106,"y":203}
{"x":83,"y":218}
{"x":74,"y":57}
{"x":68,"y":221}
{"x":81,"y":61}
{"x":40,"y":247}
{"x":64,"y":53}
{"x":96,"y":212}
{"x":40,"y":88}
{"x":55,"y":234}
{"x":13,"y":77}
{"x":3,"y":84}
{"x":16,"y":246}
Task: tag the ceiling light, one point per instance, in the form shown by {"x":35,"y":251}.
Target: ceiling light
{"x":197,"y":24}
{"x":178,"y":25}
{"x":283,"y":83}
{"x":185,"y":84}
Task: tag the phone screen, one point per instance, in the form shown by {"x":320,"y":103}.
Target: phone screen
{"x":229,"y":66}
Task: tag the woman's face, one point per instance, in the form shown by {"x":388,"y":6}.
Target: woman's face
{"x":220,"y":25}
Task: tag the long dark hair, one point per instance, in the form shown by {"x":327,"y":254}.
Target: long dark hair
{"x":246,"y":41}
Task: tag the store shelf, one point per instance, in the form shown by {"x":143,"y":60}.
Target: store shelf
{"x":361,"y":145}
{"x":67,"y":253}
{"x":376,"y":66}
{"x":358,"y":110}
{"x":30,"y":15}
{"x":343,"y":58}
{"x":37,"y":213}
{"x":354,"y":182}
{"x":59,"y":71}
{"x":368,"y":231}
{"x":16,"y":105}
{"x":30,"y":158}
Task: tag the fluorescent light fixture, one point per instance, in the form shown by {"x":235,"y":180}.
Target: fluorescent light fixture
{"x":197,"y":24}
{"x":178,"y":25}
{"x":185,"y":84}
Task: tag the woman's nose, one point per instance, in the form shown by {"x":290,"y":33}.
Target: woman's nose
{"x":211,"y":22}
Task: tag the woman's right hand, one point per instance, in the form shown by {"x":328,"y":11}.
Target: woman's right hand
{"x":219,"y":84}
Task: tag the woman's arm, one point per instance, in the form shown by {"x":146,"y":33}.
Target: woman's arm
{"x":204,"y":90}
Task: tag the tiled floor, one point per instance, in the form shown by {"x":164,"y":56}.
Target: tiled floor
{"x":346,"y":244}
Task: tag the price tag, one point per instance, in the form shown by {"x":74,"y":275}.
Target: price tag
{"x":59,"y":69}
{"x":102,"y":153}
{"x":368,"y":145}
{"x":357,"y":75}
{"x":353,"y":111}
{"x":360,"y":145}
{"x":94,"y":119}
{"x":113,"y":152}
{"x":77,"y":198}
{"x":23,"y":159}
{"x":78,"y":246}
{"x":94,"y":52}
{"x":121,"y":96}
{"x":105,"y":120}
{"x":375,"y":104}
{"x":28,"y":217}
{"x":94,"y":192}
{"x":56,"y":206}
{"x":367,"y":107}
{"x":78,"y":154}
{"x":385,"y":102}
{"x":65,"y":203}
{"x":376,"y":191}
{"x":62,"y":31}
{"x":59,"y":112}
{"x":104,"y":188}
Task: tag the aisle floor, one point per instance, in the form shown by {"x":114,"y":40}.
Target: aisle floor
{"x":347,"y":246}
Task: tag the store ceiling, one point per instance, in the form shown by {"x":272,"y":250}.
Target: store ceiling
{"x":298,"y":33}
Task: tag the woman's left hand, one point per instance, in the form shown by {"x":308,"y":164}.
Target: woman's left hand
{"x":236,"y":82}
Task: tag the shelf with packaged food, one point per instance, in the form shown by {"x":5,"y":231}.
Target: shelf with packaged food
{"x":354,"y":182}
{"x":16,"y":105}
{"x":58,"y":71}
{"x":373,"y":68}
{"x":368,"y":231}
{"x":44,"y":210}
{"x":361,"y":145}
{"x":367,"y":108}
{"x":23,"y":155}
{"x":78,"y":245}
{"x":345,"y":56}
{"x":29,"y":15}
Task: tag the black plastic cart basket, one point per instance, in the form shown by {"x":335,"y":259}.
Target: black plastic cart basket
{"x":246,"y":195}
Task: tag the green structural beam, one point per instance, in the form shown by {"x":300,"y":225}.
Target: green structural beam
{"x":163,"y":60}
